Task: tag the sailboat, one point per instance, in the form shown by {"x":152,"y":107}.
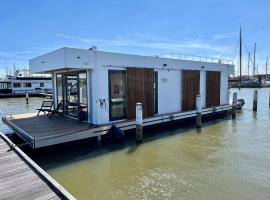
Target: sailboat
{"x":250,"y":81}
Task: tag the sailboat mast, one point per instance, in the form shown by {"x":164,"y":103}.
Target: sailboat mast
{"x":254,"y":60}
{"x":266,"y":68}
{"x":248,"y":62}
{"x":240,"y":55}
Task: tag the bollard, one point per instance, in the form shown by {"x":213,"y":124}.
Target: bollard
{"x":269,"y":99}
{"x":198,"y":112}
{"x":139,"y":123}
{"x":27,"y":97}
{"x":255,"y":100}
{"x":234,"y":102}
{"x":228,"y":96}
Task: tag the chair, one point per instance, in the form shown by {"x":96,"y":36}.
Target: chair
{"x":60,"y":106}
{"x":45,"y":107}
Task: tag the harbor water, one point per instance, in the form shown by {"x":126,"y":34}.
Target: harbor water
{"x":226,"y":159}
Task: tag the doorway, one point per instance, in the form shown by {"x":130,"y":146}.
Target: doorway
{"x":72,"y":92}
{"x":190,"y":88}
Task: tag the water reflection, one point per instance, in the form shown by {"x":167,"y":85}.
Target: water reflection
{"x":226,"y":159}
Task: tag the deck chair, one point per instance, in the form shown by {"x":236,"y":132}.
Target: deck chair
{"x":46,"y":107}
{"x":58,"y":110}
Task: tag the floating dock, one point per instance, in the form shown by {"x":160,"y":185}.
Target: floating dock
{"x":41,"y":131}
{"x":21,"y":178}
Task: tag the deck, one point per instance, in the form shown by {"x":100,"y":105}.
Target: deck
{"x":21,"y":178}
{"x":40,"y":131}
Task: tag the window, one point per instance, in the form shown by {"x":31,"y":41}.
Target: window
{"x":16,"y":85}
{"x":27,"y":85}
{"x":41,"y":85}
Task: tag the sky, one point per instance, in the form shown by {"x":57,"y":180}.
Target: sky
{"x":31,"y":28}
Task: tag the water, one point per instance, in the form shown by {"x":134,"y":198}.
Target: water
{"x":228,"y":159}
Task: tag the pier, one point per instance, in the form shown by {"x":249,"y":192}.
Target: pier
{"x":21,"y":178}
{"x":41,"y":131}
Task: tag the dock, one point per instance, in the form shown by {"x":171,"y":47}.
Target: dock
{"x":42,"y":131}
{"x":21,"y":178}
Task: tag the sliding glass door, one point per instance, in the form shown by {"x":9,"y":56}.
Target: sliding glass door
{"x":117,"y":94}
{"x":72,"y":93}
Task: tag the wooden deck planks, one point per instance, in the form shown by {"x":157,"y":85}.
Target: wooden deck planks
{"x":42,"y":126}
{"x":18,"y":180}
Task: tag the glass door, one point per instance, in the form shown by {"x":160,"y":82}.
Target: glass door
{"x":72,"y":103}
{"x":117,"y":94}
{"x":72,"y":92}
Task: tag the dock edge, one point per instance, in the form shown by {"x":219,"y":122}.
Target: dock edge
{"x":38,"y":170}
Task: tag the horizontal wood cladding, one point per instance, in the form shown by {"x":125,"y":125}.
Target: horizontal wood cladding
{"x":212,"y":88}
{"x":140,"y":88}
{"x":190,"y":89}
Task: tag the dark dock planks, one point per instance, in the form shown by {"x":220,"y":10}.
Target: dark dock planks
{"x":20,"y":180}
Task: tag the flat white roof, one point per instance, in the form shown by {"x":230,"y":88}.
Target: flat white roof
{"x":75,"y":58}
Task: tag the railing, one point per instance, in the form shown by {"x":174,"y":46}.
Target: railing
{"x":195,"y":58}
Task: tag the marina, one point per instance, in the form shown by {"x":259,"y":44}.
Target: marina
{"x":226,"y":159}
{"x":134,"y":100}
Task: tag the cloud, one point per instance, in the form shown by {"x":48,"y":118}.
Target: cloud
{"x":153,"y":42}
{"x":16,"y":54}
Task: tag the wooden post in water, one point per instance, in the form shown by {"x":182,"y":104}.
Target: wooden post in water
{"x":198,"y":112}
{"x":27,"y":97}
{"x":139,"y":123}
{"x":234,"y":102}
{"x":255,"y":100}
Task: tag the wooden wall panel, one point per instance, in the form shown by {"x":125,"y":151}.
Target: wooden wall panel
{"x":212,"y":88}
{"x":140,"y":88}
{"x":190,"y":89}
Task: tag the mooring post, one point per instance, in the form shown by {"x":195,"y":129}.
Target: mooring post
{"x":228,"y":96}
{"x":99,"y":140}
{"x":234,"y":102}
{"x":139,"y":123}
{"x":255,"y":100}
{"x":27,"y":97}
{"x":269,"y":98}
{"x":198,"y":112}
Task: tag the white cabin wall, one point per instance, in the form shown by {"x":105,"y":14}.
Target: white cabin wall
{"x":100,"y":115}
{"x":224,"y":87}
{"x":203,"y":87}
{"x":169,"y":91}
{"x":50,"y":61}
{"x":79,"y":58}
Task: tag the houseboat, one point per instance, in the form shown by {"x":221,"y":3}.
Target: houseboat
{"x":99,"y":89}
{"x":19,"y":85}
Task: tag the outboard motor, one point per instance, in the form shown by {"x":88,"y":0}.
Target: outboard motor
{"x":116,"y":134}
{"x":240,"y":103}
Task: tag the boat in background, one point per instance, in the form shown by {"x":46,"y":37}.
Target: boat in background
{"x":18,"y":85}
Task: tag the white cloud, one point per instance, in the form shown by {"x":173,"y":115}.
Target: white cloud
{"x":153,"y":42}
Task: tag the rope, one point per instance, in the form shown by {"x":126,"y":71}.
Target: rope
{"x":13,"y":146}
